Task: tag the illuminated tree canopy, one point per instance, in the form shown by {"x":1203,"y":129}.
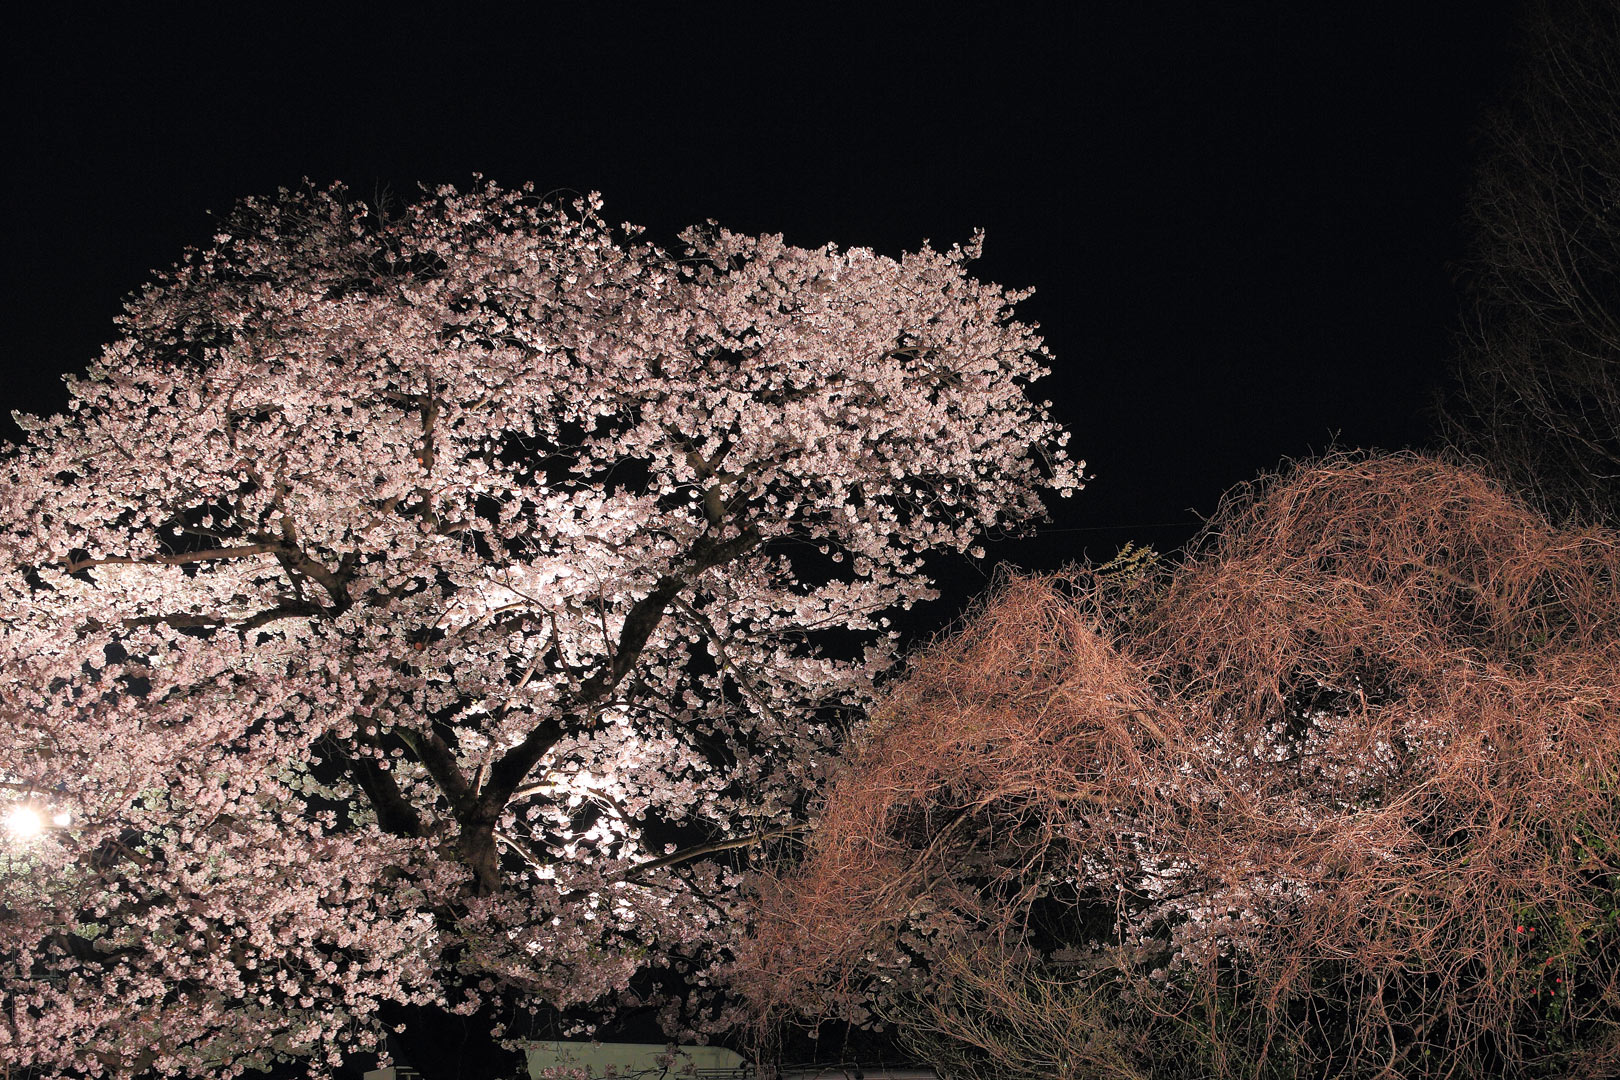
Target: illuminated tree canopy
{"x":396,"y":586}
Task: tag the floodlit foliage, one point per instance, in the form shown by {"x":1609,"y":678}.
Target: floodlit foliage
{"x":1337,"y":797}
{"x":399,"y":588}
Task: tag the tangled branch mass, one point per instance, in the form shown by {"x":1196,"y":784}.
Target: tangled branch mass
{"x":1338,"y":796}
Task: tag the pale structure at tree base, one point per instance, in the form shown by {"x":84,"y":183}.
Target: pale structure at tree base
{"x":393,"y":577}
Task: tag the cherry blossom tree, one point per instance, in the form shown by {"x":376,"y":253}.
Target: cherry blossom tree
{"x":397,"y":587}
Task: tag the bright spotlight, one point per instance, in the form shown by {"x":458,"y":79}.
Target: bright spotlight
{"x":62,"y":819}
{"x":24,"y":822}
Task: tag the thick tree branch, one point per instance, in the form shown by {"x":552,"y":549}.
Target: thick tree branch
{"x":297,"y":562}
{"x":686,"y":855}
{"x":72,"y":566}
{"x":290,"y":609}
{"x":439,"y":760}
{"x":675,"y":858}
{"x":394,"y":813}
{"x":643,"y":618}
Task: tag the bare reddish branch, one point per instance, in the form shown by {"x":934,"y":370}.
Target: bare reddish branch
{"x":1322,"y":773}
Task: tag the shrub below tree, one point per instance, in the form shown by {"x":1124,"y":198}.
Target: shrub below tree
{"x":1335,"y":797}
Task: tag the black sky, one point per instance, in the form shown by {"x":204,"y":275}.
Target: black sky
{"x":1238,"y":217}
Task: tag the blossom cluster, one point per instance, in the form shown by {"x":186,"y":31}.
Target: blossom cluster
{"x":396,"y":587}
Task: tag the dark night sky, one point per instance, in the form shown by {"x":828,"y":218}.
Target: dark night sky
{"x":1238,"y":223}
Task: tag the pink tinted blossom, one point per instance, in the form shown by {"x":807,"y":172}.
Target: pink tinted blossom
{"x":387,"y":582}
